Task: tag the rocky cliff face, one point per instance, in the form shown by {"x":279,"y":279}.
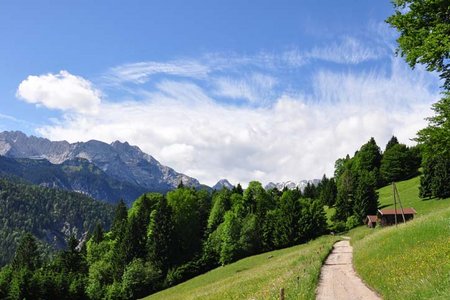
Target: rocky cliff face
{"x":120,"y":162}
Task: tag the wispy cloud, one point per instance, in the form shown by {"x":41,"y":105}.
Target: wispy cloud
{"x":347,"y":51}
{"x":207,"y":65}
{"x":9,"y":118}
{"x":142,"y":71}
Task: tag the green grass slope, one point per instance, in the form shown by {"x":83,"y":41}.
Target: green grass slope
{"x":260,"y":277}
{"x":412,"y":260}
{"x":409,"y":195}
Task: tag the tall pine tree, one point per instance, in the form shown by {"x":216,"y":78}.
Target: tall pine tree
{"x":160,"y":243}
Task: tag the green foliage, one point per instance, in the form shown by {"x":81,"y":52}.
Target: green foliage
{"x":250,"y":236}
{"x":256,"y":200}
{"x":310,"y":191}
{"x":187,"y":224}
{"x":345,"y":194}
{"x":183,"y":272}
{"x":27,"y":255}
{"x":368,"y":158}
{"x":45,"y":213}
{"x":161,"y":234}
{"x":221,"y":204}
{"x":339,"y":226}
{"x":97,"y":235}
{"x":134,"y":242}
{"x":72,"y":260}
{"x":359,"y":177}
{"x":366,"y":197}
{"x":6,"y":274}
{"x":139,"y":279}
{"x":392,"y":142}
{"x":287,"y":229}
{"x":237,"y":189}
{"x":312,"y":222}
{"x":352,"y":222}
{"x":120,"y":220}
{"x":435,"y":144}
{"x":230,"y":248}
{"x":424,"y":38}
{"x":100,"y":276}
{"x":163,"y":240}
{"x":327,"y":191}
{"x":21,"y":285}
{"x":399,"y":163}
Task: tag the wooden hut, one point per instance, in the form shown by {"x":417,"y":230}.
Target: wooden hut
{"x":371,"y":221}
{"x":387,"y":216}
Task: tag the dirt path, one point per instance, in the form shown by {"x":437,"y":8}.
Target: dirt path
{"x":338,"y":280}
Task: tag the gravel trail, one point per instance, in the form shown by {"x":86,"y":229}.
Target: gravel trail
{"x":338,"y":279}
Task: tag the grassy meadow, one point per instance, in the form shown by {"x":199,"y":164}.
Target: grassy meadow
{"x":296,"y":269}
{"x":411,"y":261}
{"x":409,"y":195}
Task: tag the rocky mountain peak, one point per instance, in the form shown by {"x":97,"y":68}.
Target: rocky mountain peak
{"x":222,"y":183}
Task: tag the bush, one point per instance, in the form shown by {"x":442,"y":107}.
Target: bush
{"x":338,"y":226}
{"x":352,"y":222}
{"x":114,"y":291}
{"x":140,"y":279}
{"x":186,"y":271}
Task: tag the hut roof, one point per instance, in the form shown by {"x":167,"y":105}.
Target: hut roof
{"x":406,"y":211}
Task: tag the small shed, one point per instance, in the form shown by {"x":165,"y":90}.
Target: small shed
{"x":371,"y":221}
{"x":387,"y":216}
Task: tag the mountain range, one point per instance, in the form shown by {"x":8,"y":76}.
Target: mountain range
{"x":106,"y":172}
{"x":292,"y":185}
{"x":103,"y":171}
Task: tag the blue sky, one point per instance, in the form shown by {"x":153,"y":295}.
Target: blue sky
{"x":266,"y":90}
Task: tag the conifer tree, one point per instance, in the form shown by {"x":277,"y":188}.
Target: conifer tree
{"x":27,"y":254}
{"x":97,"y":235}
{"x":366,"y":197}
{"x":392,"y":142}
{"x":120,"y":220}
{"x":160,"y":243}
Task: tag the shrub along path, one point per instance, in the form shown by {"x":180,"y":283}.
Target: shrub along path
{"x":338,"y":279}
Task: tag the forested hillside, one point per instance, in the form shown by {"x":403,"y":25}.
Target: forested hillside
{"x":73,"y":175}
{"x":163,"y":240}
{"x":358,"y":177}
{"x":51,"y":215}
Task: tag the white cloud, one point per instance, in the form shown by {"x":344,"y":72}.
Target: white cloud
{"x":348,"y":51}
{"x":62,"y":91}
{"x":299,"y":137}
